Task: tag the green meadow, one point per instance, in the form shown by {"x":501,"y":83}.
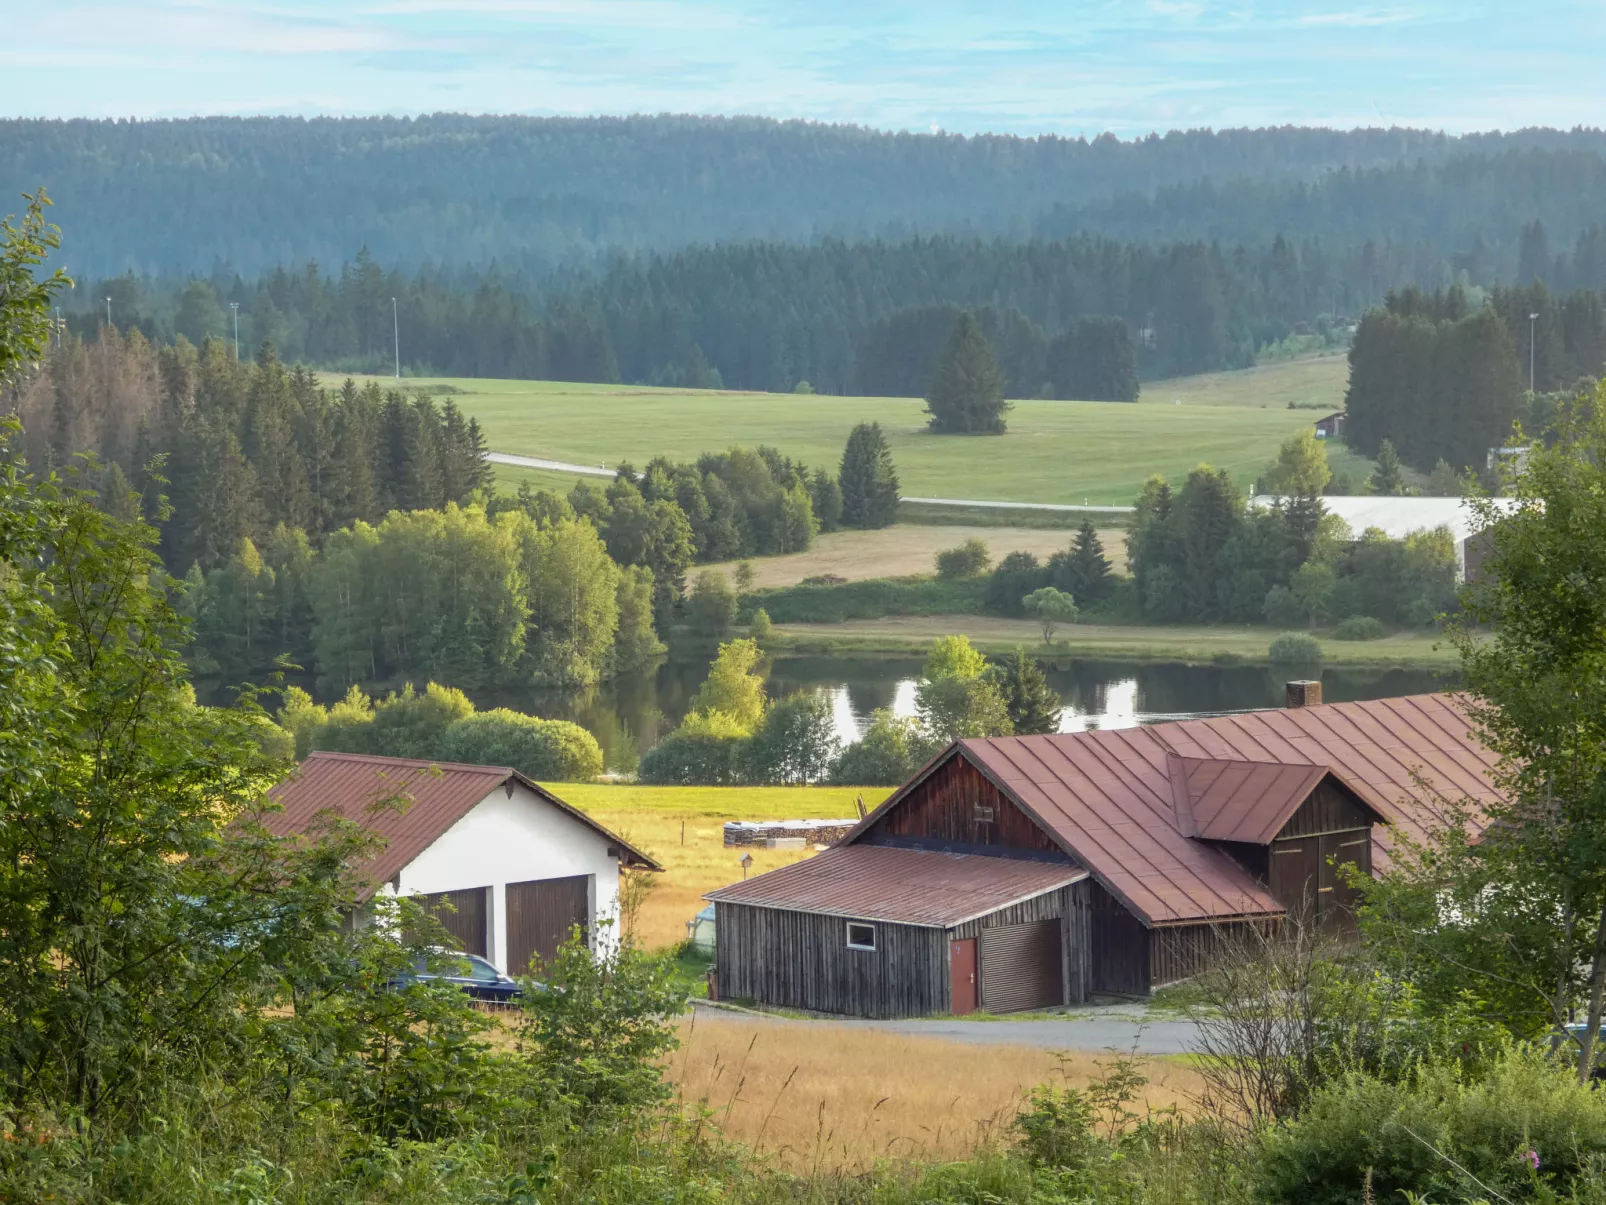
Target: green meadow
{"x":1062,"y":452}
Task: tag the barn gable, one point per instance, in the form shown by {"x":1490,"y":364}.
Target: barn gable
{"x":955,"y":807}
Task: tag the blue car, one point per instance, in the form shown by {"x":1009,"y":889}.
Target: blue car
{"x":473,"y":974}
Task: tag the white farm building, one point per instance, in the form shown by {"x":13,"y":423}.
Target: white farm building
{"x":520,"y":867}
{"x":1400,"y":517}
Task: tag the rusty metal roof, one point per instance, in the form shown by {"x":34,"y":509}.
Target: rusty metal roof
{"x":900,"y":886}
{"x":1112,"y":799}
{"x":406,"y":802}
{"x":1230,"y":800}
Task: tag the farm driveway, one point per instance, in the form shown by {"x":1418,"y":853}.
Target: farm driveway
{"x":1095,"y":1029}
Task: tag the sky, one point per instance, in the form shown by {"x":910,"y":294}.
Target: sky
{"x":1067,"y":67}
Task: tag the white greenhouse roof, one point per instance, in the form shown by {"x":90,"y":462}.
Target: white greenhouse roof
{"x":1399,"y":517}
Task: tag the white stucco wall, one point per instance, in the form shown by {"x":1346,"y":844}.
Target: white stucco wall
{"x":512,"y":839}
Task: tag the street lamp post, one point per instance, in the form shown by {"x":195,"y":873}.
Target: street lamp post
{"x":235,"y":306}
{"x":1532,"y":318}
{"x":395,"y":323}
{"x":108,"y":311}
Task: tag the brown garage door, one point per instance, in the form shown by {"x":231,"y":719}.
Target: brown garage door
{"x":462,"y":915}
{"x":540,"y":916}
{"x":1021,"y":967}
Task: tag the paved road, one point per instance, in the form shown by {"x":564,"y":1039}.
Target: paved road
{"x":1095,"y":1030}
{"x":592,"y":470}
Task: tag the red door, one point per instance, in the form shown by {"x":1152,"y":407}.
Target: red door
{"x":962,"y":975}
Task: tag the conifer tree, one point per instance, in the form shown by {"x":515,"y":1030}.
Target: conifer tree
{"x":966,"y":395}
{"x":1388,"y":478}
{"x":1033,"y":705}
{"x":1083,"y":571}
{"x":868,"y":479}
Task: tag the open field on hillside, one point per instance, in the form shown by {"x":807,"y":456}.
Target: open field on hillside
{"x":829,"y":1098}
{"x":912,"y":636}
{"x":1063,"y":452}
{"x":907,"y":549}
{"x":652,"y":819}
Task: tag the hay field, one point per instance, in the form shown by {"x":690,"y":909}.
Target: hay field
{"x":909,"y":548}
{"x":821,"y":1096}
{"x":1065,"y":452}
{"x":651,"y":818}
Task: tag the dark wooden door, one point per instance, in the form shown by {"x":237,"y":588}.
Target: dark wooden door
{"x":1338,"y":898}
{"x":962,"y":974}
{"x":462,"y":915}
{"x":540,"y":916}
{"x":1296,"y":865}
{"x":1021,"y":967}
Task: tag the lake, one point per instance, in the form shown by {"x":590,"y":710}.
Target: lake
{"x":629,"y":714}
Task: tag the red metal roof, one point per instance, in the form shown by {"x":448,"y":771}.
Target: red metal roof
{"x":408,"y":803}
{"x":900,"y":886}
{"x":1113,"y":801}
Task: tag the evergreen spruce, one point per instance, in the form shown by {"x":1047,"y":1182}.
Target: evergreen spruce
{"x":1083,"y":571}
{"x":1033,"y":705}
{"x":1388,"y":478}
{"x":966,"y":396}
{"x":868,"y":480}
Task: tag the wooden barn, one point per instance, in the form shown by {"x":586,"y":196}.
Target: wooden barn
{"x":1029,"y":872}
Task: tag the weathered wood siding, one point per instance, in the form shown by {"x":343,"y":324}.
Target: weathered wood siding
{"x":1118,"y":947}
{"x":1078,"y":941}
{"x":1178,"y":952}
{"x":1330,"y":808}
{"x":1048,"y":906}
{"x":957,"y":805}
{"x":802,"y":960}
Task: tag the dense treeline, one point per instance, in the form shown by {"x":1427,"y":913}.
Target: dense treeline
{"x":1091,"y":359}
{"x":1442,"y":377}
{"x":1199,"y":555}
{"x":531,"y":193}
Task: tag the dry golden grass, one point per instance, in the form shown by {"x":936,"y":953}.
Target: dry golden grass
{"x":906,"y":549}
{"x":651,"y":818}
{"x":827,"y":1097}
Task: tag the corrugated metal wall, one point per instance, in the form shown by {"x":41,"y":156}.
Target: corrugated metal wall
{"x":802,"y":960}
{"x":1021,"y":967}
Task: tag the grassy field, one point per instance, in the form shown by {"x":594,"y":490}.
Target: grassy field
{"x":908,"y":549}
{"x":1064,"y":452}
{"x":1198,"y":645}
{"x":682,"y":827}
{"x":823,"y":1097}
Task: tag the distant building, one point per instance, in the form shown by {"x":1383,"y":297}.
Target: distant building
{"x":518,"y":867}
{"x":1027,"y":872}
{"x":1513,"y":458}
{"x":1399,"y":517}
{"x":1330,"y":427}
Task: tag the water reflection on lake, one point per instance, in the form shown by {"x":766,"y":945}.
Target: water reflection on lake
{"x":629,"y":714}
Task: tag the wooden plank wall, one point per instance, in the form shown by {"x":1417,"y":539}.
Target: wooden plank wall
{"x":1178,"y":952}
{"x":1118,"y":947}
{"x":802,"y":960}
{"x":944,"y":807}
{"x":1330,"y":808}
{"x":1078,"y":941}
{"x":1048,"y":906}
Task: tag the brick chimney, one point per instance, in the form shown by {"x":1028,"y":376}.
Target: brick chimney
{"x":1303,"y":694}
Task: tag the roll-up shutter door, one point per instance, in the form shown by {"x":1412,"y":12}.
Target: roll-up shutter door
{"x":540,"y":916}
{"x":1021,"y":967}
{"x":463,"y":920}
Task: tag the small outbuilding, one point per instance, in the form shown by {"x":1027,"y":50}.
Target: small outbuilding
{"x":1330,"y":427}
{"x":1025,"y":872}
{"x":519,"y":867}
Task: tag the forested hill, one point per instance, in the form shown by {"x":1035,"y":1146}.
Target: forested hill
{"x":532,"y":194}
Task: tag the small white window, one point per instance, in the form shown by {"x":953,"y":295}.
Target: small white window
{"x":861,"y":937}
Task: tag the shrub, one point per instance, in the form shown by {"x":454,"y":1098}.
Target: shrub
{"x":711,"y":605}
{"x":1359,"y":627}
{"x":1296,"y":649}
{"x":874,"y":599}
{"x":969,"y":559}
{"x":545,"y":750}
{"x":890,"y":750}
{"x":759,"y":626}
{"x":695,"y":757}
{"x":1012,"y":579}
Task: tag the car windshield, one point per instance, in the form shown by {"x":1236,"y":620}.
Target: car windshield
{"x":481,"y":971}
